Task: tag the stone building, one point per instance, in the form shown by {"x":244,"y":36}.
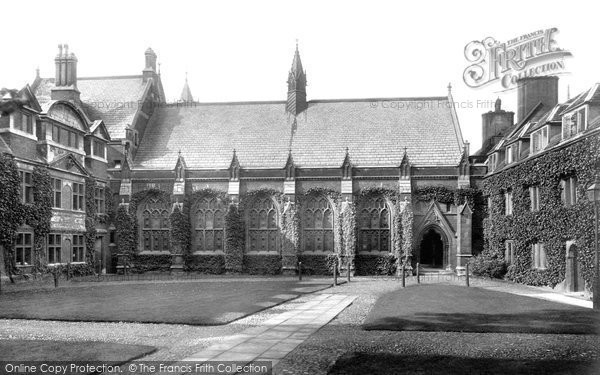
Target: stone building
{"x":539,"y":168}
{"x":54,"y":132}
{"x":318,"y":157}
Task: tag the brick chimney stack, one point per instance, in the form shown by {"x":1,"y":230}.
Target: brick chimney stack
{"x":65,"y":84}
{"x":534,"y":90}
{"x":150,"y":68}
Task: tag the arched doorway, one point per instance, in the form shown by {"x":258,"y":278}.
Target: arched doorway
{"x":432,"y":249}
{"x":573,"y":278}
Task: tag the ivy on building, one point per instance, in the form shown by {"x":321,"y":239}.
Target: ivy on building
{"x":91,"y":219}
{"x":125,"y":231}
{"x":12,"y":213}
{"x":554,"y":223}
{"x":180,"y":232}
{"x":40,"y":214}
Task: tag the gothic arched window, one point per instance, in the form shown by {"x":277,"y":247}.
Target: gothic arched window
{"x":154,"y":225}
{"x":208,"y":224}
{"x":374,"y":225}
{"x":317,"y":219}
{"x":262,"y":225}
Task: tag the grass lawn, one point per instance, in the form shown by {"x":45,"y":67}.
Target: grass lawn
{"x":41,"y":350}
{"x":461,"y":309}
{"x":392,"y":364}
{"x":196,"y":303}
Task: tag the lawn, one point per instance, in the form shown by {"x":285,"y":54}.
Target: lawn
{"x":42,"y":350}
{"x":460,"y":309}
{"x":195,"y":303}
{"x":392,"y":364}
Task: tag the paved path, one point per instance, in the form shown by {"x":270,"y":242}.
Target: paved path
{"x":531,"y":291}
{"x":276,"y":337}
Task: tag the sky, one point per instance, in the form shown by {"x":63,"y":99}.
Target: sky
{"x":242,"y":50}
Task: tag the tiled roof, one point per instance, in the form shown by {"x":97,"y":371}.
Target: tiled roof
{"x":262,"y":134}
{"x":590,"y":95}
{"x":112,"y":99}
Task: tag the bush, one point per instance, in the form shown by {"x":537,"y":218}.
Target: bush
{"x":386,"y":265}
{"x":483,"y":265}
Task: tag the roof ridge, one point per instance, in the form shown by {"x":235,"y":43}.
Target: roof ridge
{"x":109,"y":77}
{"x":349,"y":100}
{"x":379,"y":99}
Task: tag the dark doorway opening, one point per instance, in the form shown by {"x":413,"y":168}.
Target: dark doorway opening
{"x":432,"y":250}
{"x":573,"y":277}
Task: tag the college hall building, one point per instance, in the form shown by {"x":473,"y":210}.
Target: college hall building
{"x":261,"y":186}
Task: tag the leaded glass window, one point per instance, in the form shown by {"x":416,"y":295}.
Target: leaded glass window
{"x":155,"y":225}
{"x":209,"y":224}
{"x":262,"y":225}
{"x":317,"y":219}
{"x":374,"y":225}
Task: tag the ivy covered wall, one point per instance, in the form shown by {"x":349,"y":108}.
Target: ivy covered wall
{"x":554,"y":223}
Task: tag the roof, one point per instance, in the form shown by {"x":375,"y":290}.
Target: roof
{"x":590,"y":95}
{"x":262,"y":134}
{"x":112,"y":99}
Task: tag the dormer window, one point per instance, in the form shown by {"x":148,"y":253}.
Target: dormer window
{"x":65,"y":137}
{"x":539,"y":140}
{"x":98,"y":149}
{"x":509,"y":154}
{"x":23,"y":122}
{"x":574,"y":123}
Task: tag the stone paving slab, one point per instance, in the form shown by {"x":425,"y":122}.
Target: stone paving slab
{"x":279,"y":335}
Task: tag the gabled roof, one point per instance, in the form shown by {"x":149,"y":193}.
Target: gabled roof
{"x":112,"y":99}
{"x":590,"y":95}
{"x":67,"y":162}
{"x":263,"y":134}
{"x":98,"y":128}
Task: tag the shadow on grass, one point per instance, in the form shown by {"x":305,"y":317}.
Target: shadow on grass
{"x":459,"y":309}
{"x":381,"y":364}
{"x":541,"y":321}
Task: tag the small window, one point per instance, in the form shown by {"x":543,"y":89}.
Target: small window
{"x":509,"y":154}
{"x":26,"y":187}
{"x":57,"y":188}
{"x":117,"y":164}
{"x":508,"y":201}
{"x":78,"y":248}
{"x":99,"y":149}
{"x":568,"y":193}
{"x":54,"y":248}
{"x":23,"y":248}
{"x":534,"y":196}
{"x":78,"y":197}
{"x":539,"y":256}
{"x":509,"y":252}
{"x":56,"y":133}
{"x":26,"y":123}
{"x":99,"y":199}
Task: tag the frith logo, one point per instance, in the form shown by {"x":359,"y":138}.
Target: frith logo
{"x":530,"y":55}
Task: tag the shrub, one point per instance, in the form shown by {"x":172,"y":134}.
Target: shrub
{"x":484,"y":265}
{"x":386,"y":265}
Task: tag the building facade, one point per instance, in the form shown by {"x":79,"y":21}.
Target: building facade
{"x":539,"y":219}
{"x":304,"y":176}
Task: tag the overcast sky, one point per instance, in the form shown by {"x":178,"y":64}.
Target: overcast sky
{"x":242,"y":50}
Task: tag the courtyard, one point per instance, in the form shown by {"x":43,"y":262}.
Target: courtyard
{"x":437,"y":327}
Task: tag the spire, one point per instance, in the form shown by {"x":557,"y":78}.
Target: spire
{"x":568,"y":92}
{"x":186,"y":93}
{"x":296,"y":100}
{"x":498,"y":105}
{"x":449,"y":88}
